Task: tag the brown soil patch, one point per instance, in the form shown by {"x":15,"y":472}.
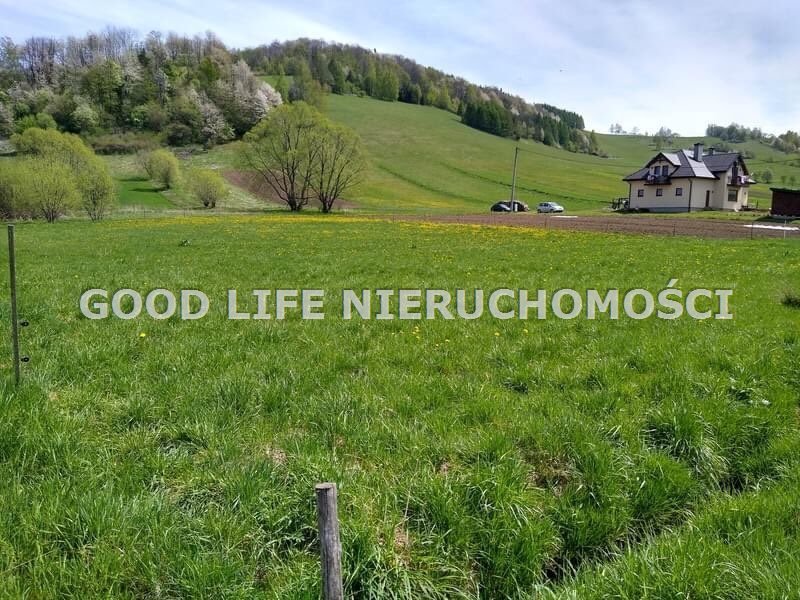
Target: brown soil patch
{"x":667,"y":226}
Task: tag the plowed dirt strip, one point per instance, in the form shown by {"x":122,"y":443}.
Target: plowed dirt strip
{"x":636,"y":224}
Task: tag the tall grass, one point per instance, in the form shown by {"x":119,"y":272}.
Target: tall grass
{"x":480,"y":459}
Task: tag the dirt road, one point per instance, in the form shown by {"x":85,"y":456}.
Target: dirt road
{"x":669,"y":226}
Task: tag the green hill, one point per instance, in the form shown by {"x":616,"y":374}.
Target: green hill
{"x":425,"y":159}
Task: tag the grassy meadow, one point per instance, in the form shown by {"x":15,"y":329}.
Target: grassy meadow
{"x":424,"y":160}
{"x":475,"y":459}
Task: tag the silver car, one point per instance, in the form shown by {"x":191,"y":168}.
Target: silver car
{"x":549,"y":207}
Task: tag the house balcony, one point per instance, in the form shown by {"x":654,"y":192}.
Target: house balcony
{"x":658,"y":180}
{"x":739,"y":181}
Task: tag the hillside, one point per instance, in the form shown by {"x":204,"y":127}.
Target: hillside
{"x":425,"y":159}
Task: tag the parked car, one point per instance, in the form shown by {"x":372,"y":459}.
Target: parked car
{"x":505,"y":206}
{"x":549,"y":207}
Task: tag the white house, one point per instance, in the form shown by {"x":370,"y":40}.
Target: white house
{"x":690,"y":180}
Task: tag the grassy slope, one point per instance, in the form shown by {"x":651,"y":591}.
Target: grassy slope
{"x":177,"y":459}
{"x":136,"y":192}
{"x":424,"y":160}
{"x":425,"y":156}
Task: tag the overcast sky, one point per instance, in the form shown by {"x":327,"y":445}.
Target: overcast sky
{"x":679,"y":64}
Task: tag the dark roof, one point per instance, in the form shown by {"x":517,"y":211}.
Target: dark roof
{"x":719,"y":162}
{"x":785,"y":190}
{"x":640,"y":174}
{"x":685,"y":166}
{"x":691,"y":168}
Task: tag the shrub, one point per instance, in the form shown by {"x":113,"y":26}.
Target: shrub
{"x":39,"y":120}
{"x":162,"y":167}
{"x":84,"y":117}
{"x":97,"y":189}
{"x":11,"y":193}
{"x":50,"y":188}
{"x":150,"y":116}
{"x":178,"y":134}
{"x":208,"y":187}
{"x":82,"y":172}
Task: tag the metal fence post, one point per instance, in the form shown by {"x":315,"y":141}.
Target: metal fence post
{"x":12,"y":271}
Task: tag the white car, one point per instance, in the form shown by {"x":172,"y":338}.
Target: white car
{"x":549,"y":207}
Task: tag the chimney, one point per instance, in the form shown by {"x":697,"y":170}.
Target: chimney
{"x":711,"y":150}
{"x":698,"y":152}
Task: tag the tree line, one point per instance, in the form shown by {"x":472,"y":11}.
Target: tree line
{"x":788,"y":142}
{"x":305,"y":69}
{"x":174,"y":89}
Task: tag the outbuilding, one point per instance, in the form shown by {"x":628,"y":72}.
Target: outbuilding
{"x":785,"y":202}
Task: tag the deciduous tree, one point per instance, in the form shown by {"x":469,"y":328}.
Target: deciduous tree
{"x":339,"y":164}
{"x":283,"y":150}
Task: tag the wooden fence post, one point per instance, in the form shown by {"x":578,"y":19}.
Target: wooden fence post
{"x":329,"y":543}
{"x":12,"y":272}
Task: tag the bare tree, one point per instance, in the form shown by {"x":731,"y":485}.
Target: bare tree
{"x":39,"y":56}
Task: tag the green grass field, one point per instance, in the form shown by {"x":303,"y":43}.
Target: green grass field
{"x":424,"y":160}
{"x":475,"y":459}
{"x":137,"y":191}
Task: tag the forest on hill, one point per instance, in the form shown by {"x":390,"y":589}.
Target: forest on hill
{"x":315,"y":66}
{"x":125,"y":93}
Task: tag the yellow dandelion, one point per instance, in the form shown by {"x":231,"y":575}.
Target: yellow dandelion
{"x":143,"y":335}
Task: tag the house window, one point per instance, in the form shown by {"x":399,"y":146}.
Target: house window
{"x":664,"y":171}
{"x":640,"y":193}
{"x":733,"y":195}
{"x":679,"y":191}
{"x":659,"y":192}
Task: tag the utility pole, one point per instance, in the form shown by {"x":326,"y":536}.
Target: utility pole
{"x":514,"y":179}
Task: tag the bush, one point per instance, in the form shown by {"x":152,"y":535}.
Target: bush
{"x":208,"y":187}
{"x":50,"y":188}
{"x":39,"y":120}
{"x":150,"y":116}
{"x":178,"y":134}
{"x":84,"y":117}
{"x":83,"y":173}
{"x":97,"y":189}
{"x":162,"y":167}
{"x":11,"y":193}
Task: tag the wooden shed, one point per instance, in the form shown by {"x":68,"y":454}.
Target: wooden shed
{"x":785,"y":202}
